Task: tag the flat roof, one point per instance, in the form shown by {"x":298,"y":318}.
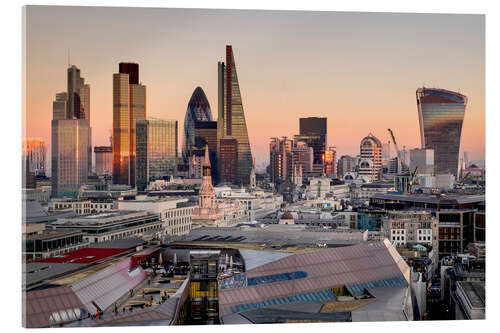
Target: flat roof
{"x":83,"y":256}
{"x":475,"y":292}
{"x":425,"y":198}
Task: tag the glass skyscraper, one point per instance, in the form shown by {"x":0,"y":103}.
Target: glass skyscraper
{"x":70,"y":138}
{"x":231,"y":120}
{"x":441,"y":114}
{"x":198,"y":110}
{"x":129,"y":105}
{"x":156,"y":150}
{"x":313,"y":132}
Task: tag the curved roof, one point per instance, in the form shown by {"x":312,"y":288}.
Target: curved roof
{"x":199,"y":100}
{"x":437,"y":95}
{"x":369,"y":264}
{"x":372,"y":138}
{"x":198,"y":110}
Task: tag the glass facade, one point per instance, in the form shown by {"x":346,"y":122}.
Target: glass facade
{"x":156,"y":150}
{"x":69,"y":156}
{"x":316,"y":296}
{"x":35,"y":151}
{"x":313,"y":131}
{"x":235,"y":123}
{"x":441,"y":114}
{"x":227,"y":160}
{"x":129,"y":105}
{"x":198,"y":110}
{"x":59,"y":106}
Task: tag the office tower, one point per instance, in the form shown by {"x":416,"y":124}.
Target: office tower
{"x":386,"y":150}
{"x":195,"y":163}
{"x":370,"y":160}
{"x":34,"y":151}
{"x":207,"y":131}
{"x":346,"y":164}
{"x":29,"y":178}
{"x":74,"y":100}
{"x":386,"y":153}
{"x":78,"y":103}
{"x":85,"y":113}
{"x":231,"y":120}
{"x":280,"y":159}
{"x":103,"y":160}
{"x":221,"y":130}
{"x":198,"y":110}
{"x":69,"y":156}
{"x":302,"y":155}
{"x":394,"y":166}
{"x":330,"y":162}
{"x":129,"y":105}
{"x":313,"y":131}
{"x":441,"y":114}
{"x":60,"y":106}
{"x":228,"y":157}
{"x":156,"y":150}
{"x":422,"y":160}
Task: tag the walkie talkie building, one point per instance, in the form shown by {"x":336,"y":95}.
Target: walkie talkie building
{"x":441,"y":114}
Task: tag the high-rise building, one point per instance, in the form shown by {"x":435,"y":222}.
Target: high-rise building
{"x":346,"y":164}
{"x":228,"y":156}
{"x":330,"y":162}
{"x":370,"y":159}
{"x":280,"y":159}
{"x":313,"y":131}
{"x":441,"y":114}
{"x":129,"y":105}
{"x":156,"y":150}
{"x":34,"y":151}
{"x":60,"y":106}
{"x":29,"y":178}
{"x":77,"y":105}
{"x":422,"y":160}
{"x":198,"y":110}
{"x":103,"y":160}
{"x":69,"y":156}
{"x":302,"y":155}
{"x":71,"y":136}
{"x":232,"y":118}
{"x":74,"y":92}
{"x":85,"y":113}
{"x":207,"y":132}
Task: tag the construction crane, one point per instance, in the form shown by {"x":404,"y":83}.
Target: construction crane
{"x":404,"y":167}
{"x":403,"y":164}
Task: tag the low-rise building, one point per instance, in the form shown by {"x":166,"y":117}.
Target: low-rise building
{"x":319,"y":187}
{"x":366,"y":191}
{"x":82,"y":207}
{"x":462,"y":286}
{"x":40,"y":243}
{"x":175,"y":213}
{"x":112,"y":225}
{"x":403,"y":227}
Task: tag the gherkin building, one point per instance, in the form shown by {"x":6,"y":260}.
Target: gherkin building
{"x":198,"y":109}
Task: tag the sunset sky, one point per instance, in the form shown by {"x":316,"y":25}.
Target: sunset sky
{"x":360,"y":70}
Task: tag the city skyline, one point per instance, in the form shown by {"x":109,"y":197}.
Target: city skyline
{"x":362,"y":63}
